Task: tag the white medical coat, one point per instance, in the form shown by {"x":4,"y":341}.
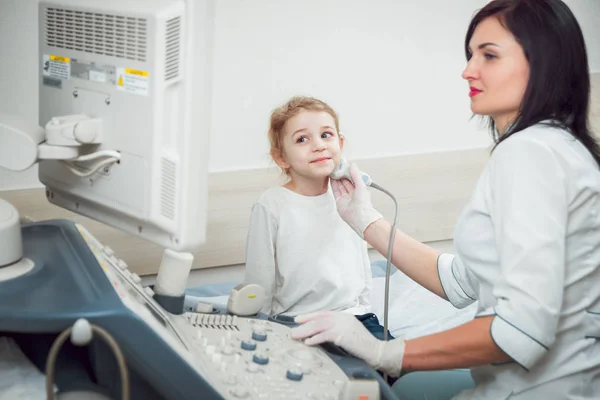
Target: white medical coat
{"x":528,"y":250}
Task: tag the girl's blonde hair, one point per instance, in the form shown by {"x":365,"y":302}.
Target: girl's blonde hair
{"x":281,"y":115}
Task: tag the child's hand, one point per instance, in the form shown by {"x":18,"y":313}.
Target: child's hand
{"x":346,"y":331}
{"x":354,"y":202}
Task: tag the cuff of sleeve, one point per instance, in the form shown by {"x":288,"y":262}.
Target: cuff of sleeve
{"x":516,"y":343}
{"x":391,"y":355}
{"x":452,"y":289}
{"x":365,"y":219}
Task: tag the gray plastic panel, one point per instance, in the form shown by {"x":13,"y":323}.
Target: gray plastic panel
{"x":66,"y":284}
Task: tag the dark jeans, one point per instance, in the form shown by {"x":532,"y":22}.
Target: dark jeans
{"x":371,"y":322}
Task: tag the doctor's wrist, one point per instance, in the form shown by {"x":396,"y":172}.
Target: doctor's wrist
{"x":391,"y":357}
{"x":377,"y":230}
{"x":363,"y":219}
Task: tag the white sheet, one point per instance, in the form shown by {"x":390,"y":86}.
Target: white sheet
{"x":19,"y":378}
{"x":414,"y":311}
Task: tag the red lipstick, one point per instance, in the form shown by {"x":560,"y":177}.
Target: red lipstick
{"x":474,"y":92}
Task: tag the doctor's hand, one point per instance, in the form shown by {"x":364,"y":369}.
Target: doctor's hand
{"x":354,"y":202}
{"x":347,"y":332}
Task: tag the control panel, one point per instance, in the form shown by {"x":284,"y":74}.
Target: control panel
{"x":256,"y":358}
{"x":241,"y":358}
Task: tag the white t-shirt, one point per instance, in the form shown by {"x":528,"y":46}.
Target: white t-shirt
{"x":305,"y":256}
{"x":528,"y":250}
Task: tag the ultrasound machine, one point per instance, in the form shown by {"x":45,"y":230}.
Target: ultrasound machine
{"x":122,"y":138}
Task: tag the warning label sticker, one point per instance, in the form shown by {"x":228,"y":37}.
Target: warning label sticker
{"x":132,"y":81}
{"x":56,"y":66}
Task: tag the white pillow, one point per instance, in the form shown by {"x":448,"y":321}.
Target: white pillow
{"x":413,"y":310}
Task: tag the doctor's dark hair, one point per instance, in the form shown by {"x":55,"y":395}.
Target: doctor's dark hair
{"x":559,"y":77}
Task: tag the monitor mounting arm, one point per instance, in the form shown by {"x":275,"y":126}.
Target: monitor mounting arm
{"x":23,"y":144}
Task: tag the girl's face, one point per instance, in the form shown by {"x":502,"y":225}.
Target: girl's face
{"x":497,"y":72}
{"x":311,"y":145}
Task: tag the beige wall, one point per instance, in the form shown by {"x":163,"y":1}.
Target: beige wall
{"x":430,"y":189}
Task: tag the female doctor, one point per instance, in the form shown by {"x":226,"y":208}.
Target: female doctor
{"x":528,"y":242}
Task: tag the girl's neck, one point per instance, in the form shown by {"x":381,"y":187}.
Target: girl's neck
{"x":307,"y":187}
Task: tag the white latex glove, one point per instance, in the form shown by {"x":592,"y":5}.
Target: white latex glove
{"x":354,"y":202}
{"x":347,"y":332}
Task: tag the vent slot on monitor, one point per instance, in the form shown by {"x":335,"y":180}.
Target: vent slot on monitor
{"x":168,"y":184}
{"x":104,"y":34}
{"x":172,"y":47}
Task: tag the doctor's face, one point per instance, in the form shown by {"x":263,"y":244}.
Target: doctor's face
{"x":311,"y":145}
{"x":497,"y":72}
